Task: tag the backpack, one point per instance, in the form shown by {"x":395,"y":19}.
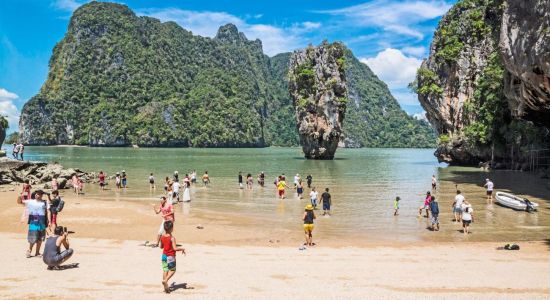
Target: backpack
{"x":60,"y":206}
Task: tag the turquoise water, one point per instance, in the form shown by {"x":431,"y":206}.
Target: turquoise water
{"x":363,"y":184}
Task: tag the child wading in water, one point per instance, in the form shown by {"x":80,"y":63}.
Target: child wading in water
{"x":169,"y":249}
{"x":396,"y":206}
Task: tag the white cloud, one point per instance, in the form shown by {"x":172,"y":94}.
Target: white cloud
{"x":405,"y":97}
{"x":421,"y":116}
{"x":206,"y":23}
{"x":393,"y":67}
{"x":8,"y":109}
{"x":414,"y":51}
{"x":401,"y":17}
{"x":67,"y":5}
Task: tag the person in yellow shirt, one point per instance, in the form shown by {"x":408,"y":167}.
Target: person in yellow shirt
{"x":281,"y":186}
{"x":308,"y":218}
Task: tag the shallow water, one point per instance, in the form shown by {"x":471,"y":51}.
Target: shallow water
{"x":363,"y":184}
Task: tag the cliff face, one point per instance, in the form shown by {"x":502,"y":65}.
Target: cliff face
{"x":462,"y":83}
{"x":525,"y":49}
{"x":117,"y":79}
{"x":319,"y":89}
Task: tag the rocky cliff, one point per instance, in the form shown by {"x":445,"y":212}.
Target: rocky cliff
{"x":3,"y":128}
{"x":117,"y":79}
{"x":525,"y":49}
{"x":461,"y":86}
{"x":318,"y":87}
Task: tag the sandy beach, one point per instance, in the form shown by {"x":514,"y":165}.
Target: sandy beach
{"x":257,"y":264}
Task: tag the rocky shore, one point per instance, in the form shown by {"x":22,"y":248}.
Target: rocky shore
{"x":39,"y":174}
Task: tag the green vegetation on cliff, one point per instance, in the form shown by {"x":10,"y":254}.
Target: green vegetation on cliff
{"x":119,"y":79}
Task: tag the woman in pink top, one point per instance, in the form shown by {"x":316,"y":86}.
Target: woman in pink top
{"x":426,"y":205}
{"x":167,"y":211}
{"x":74,"y":181}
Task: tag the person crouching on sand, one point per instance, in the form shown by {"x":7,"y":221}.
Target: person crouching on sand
{"x":308,"y":218}
{"x":167,"y":211}
{"x":168,"y":258}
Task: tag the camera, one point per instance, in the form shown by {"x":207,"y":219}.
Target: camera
{"x":67,"y":231}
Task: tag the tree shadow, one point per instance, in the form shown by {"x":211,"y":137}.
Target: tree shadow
{"x":182,"y":286}
{"x":522,"y":183}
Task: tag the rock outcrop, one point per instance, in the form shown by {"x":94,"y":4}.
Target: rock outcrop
{"x":3,"y":125}
{"x":39,"y":173}
{"x":319,"y":89}
{"x":473,"y":61}
{"x":525,"y":48}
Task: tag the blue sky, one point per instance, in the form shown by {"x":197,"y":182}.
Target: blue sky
{"x":390,"y":36}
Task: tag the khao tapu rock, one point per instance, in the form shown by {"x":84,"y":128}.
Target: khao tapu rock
{"x":525,"y":48}
{"x":461,"y":86}
{"x":317,"y":84}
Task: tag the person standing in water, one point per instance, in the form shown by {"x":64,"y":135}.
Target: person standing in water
{"x":327,"y":201}
{"x":240,"y":179}
{"x":434,"y":183}
{"x":308,"y":218}
{"x":176,"y":176}
{"x":249,"y":181}
{"x":296,"y":179}
{"x":309,"y":180}
{"x":313,"y":196}
{"x":490,"y":186}
{"x":396,"y":206}
{"x":168,"y":258}
{"x":426,"y":205}
{"x":467,"y":216}
{"x":457,"y":206}
{"x":281,"y":186}
{"x":101,"y":177}
{"x":194,"y":177}
{"x":262,"y":179}
{"x":205,"y":178}
{"x":434,"y":209}
{"x":117,"y":180}
{"x":300,"y":189}
{"x":124,"y":179}
{"x":152,"y":185}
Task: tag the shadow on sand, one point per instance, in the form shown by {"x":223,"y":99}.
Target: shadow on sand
{"x":179,"y":286}
{"x":66,"y":267}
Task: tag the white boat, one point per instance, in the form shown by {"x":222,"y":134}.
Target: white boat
{"x":514,"y":202}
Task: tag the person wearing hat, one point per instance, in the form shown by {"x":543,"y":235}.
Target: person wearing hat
{"x":124,"y":180}
{"x":37,"y":209}
{"x":426,"y":205}
{"x":308,"y":218}
{"x":176,"y":176}
{"x":167,"y":211}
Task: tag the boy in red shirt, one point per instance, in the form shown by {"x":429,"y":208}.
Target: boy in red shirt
{"x":169,"y":249}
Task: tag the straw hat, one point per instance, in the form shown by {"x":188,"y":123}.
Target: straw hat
{"x":309,"y":207}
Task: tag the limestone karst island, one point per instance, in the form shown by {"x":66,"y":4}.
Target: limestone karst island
{"x":363,"y":149}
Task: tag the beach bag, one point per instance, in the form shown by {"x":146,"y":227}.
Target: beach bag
{"x":60,"y":206}
{"x":511,"y":247}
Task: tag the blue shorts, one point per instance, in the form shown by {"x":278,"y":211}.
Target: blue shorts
{"x":326,"y":206}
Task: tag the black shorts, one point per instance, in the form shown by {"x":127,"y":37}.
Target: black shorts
{"x":489,"y":193}
{"x":466,"y":222}
{"x":151,"y":181}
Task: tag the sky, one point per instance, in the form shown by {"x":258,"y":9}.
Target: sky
{"x":390,"y":36}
